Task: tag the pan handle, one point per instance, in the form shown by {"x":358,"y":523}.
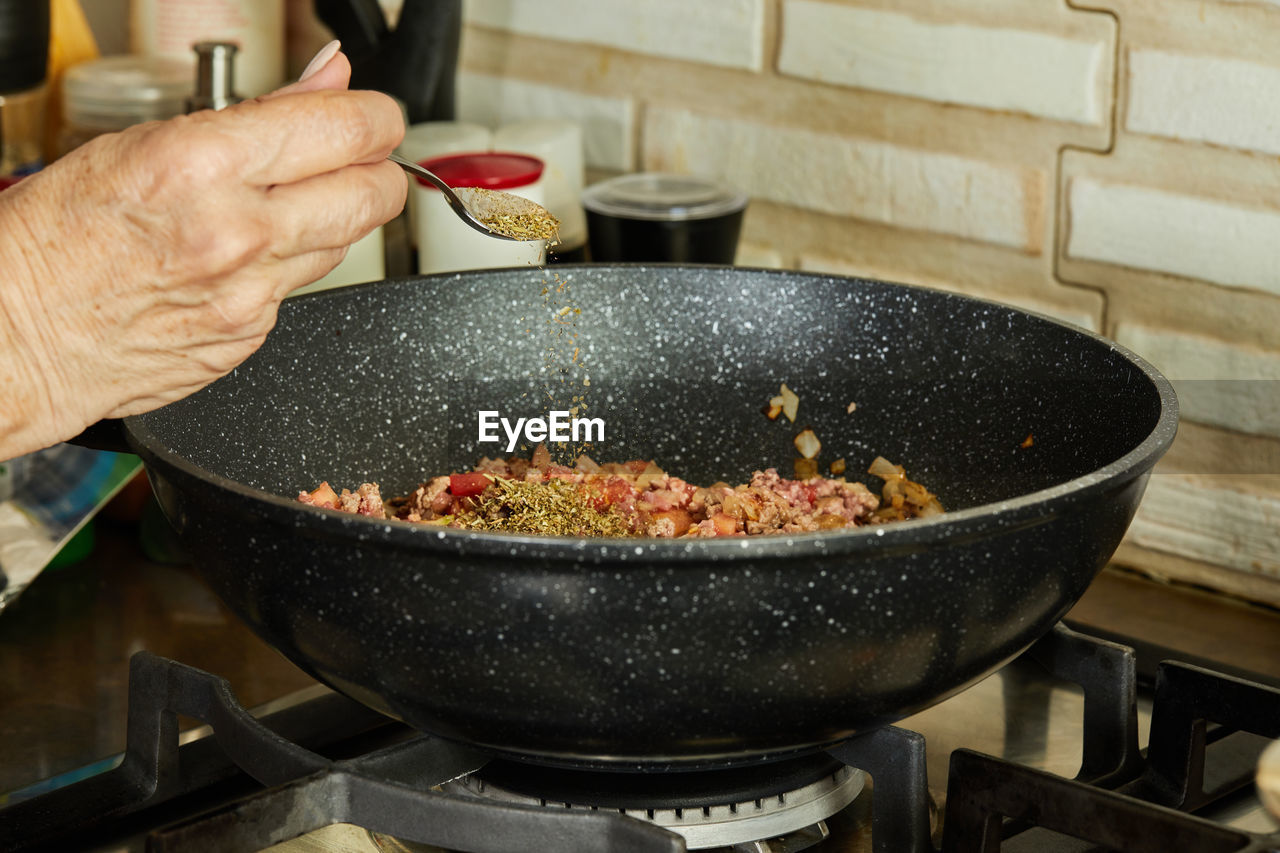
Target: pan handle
{"x":106,"y":434}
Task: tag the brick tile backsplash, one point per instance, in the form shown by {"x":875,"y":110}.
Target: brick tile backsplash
{"x":1226,"y":527}
{"x":1205,"y":99}
{"x":998,"y":68}
{"x":1153,"y":229}
{"x":718,"y":32}
{"x":905,"y":187}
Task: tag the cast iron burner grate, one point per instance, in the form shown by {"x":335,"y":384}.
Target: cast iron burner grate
{"x":1122,"y":799}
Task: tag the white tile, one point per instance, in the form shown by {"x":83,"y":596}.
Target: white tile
{"x":1184,"y":235}
{"x":1205,"y":99}
{"x":717,"y":32}
{"x":844,"y":176}
{"x":991,"y":67}
{"x":1218,"y":383}
{"x":1218,"y":526}
{"x":608,"y":124}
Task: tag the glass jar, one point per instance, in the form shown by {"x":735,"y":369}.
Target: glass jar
{"x":110,"y":94}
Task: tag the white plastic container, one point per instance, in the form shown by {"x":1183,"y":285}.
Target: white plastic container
{"x":366,"y":260}
{"x":170,"y":27}
{"x":445,"y":242}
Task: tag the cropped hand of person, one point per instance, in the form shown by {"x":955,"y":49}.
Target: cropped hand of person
{"x":146,"y":264}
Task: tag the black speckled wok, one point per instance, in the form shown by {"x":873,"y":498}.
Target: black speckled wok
{"x":640,"y":652}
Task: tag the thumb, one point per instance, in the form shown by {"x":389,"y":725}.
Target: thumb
{"x":329,"y":69}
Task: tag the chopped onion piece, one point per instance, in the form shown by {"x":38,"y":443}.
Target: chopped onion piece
{"x":838,"y":467}
{"x":886,"y":470}
{"x":650,"y":473}
{"x":790,"y":403}
{"x":541,"y":457}
{"x":806,"y":469}
{"x":850,"y":409}
{"x":772,"y":410}
{"x":807,"y":443}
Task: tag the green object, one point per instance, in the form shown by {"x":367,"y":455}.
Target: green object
{"x":76,"y":548}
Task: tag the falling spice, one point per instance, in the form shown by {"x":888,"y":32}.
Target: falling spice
{"x":565,"y":372}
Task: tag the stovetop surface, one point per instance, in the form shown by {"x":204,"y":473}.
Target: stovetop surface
{"x":65,"y":644}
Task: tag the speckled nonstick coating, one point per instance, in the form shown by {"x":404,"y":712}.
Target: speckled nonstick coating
{"x":643,"y":653}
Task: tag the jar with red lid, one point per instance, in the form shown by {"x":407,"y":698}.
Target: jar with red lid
{"x":445,"y":242}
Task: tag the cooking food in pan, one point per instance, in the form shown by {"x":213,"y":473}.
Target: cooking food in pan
{"x":647,"y":653}
{"x":635,"y":498}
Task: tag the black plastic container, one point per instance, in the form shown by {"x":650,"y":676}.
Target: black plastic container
{"x":655,"y":217}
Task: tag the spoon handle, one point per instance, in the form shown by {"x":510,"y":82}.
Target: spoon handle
{"x":414,"y":169}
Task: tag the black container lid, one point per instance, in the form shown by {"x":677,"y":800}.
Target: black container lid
{"x":24,"y":44}
{"x":662,"y":196}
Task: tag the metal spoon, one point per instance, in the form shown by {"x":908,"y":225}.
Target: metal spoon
{"x":484,"y":210}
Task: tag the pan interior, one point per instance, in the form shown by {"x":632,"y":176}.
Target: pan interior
{"x":384,"y":382}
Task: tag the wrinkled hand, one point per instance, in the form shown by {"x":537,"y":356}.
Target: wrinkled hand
{"x":146,"y":264}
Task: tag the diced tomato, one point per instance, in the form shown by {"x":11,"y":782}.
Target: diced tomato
{"x":726,"y":525}
{"x":679,"y":517}
{"x":465,"y":485}
{"x":612,"y":491}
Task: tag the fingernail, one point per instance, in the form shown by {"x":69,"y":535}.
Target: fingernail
{"x":321,"y":59}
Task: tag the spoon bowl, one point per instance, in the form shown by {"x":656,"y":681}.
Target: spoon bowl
{"x":491,"y":212}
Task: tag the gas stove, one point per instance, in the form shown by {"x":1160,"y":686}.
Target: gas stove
{"x":1081,"y":744}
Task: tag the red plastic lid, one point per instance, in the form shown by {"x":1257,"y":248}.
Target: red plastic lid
{"x":490,"y":170}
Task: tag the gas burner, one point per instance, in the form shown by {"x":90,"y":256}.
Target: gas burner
{"x":767,"y":807}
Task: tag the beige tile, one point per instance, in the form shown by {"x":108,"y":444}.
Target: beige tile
{"x":1134,"y":261}
{"x":1218,"y":382}
{"x":848,"y":176}
{"x":1130,"y":225}
{"x":954,"y":61}
{"x":1204,"y":98}
{"x":718,"y":32}
{"x":1211,"y":524}
{"x":608,"y":124}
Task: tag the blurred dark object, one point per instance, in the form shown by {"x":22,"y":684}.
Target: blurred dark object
{"x":24,"y":44}
{"x":416,"y":62}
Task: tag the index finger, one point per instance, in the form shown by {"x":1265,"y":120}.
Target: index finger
{"x":296,"y":136}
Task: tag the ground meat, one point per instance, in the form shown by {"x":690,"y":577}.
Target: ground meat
{"x":366,"y":500}
{"x":637,"y":497}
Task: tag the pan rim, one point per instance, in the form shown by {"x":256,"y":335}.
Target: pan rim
{"x":918,"y":534}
